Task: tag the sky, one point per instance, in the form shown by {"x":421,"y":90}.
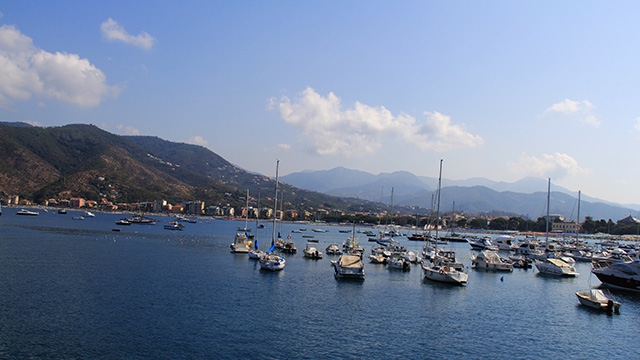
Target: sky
{"x":497,"y":89}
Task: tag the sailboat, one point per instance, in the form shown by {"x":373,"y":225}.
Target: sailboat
{"x":256,"y":253}
{"x":240,"y":242}
{"x":271,"y":261}
{"x":554,"y":266}
{"x":442,"y":273}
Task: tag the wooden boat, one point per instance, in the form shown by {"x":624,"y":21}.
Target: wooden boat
{"x":596,"y":299}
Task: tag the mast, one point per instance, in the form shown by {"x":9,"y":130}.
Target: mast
{"x":275,"y":204}
{"x":246,"y":214}
{"x":578,"y":218}
{"x":438,"y":202}
{"x":546,"y":240}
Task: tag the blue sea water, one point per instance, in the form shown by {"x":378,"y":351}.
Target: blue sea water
{"x":75,"y":289}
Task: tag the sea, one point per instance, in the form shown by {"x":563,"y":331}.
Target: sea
{"x":76,"y":289}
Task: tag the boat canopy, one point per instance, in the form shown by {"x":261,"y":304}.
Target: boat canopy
{"x":350,"y":261}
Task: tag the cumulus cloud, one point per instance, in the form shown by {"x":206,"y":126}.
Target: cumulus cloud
{"x":331,"y":130}
{"x":127,"y":130}
{"x":555,"y":166}
{"x":583,"y":110}
{"x":286,"y":147}
{"x":26,"y":70}
{"x":113,"y":31}
{"x":197,"y":140}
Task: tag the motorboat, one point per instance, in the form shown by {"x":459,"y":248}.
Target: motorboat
{"x":333,"y":249}
{"x":272,"y":262}
{"x":444,"y":274}
{"x":505,"y":242}
{"x":311,"y":252}
{"x":62,"y":211}
{"x":348,"y":267}
{"x":399,"y":262}
{"x":623,"y":275}
{"x":521,"y":261}
{"x":27,"y":212}
{"x":141,"y":219}
{"x":378,"y":258}
{"x":174,"y":225}
{"x":89,"y":214}
{"x":240,"y":243}
{"x":556,"y":267}
{"x":596,"y":299}
{"x":490,"y":260}
{"x":484,"y":243}
{"x":79,"y":217}
{"x":123,"y":222}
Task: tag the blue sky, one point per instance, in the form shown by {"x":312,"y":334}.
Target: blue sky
{"x":498,"y":89}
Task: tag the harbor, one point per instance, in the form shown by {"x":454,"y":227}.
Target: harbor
{"x":78,"y":289}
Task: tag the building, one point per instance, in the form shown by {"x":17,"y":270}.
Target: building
{"x":571,"y":227}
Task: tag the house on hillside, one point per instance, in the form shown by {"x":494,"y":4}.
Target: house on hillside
{"x":629,"y":220}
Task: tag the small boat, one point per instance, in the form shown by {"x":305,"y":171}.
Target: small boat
{"x":80,"y":217}
{"x":556,"y":267}
{"x":115,"y":229}
{"x":318,"y":230}
{"x":596,"y":299}
{"x":123,"y":222}
{"x":333,"y":249}
{"x":311,"y":252}
{"x":490,"y":260}
{"x":398,"y":261}
{"x":378,"y":258}
{"x":344,"y":231}
{"x":484,"y":243}
{"x":444,"y":274}
{"x":240,"y":243}
{"x":89,"y":214}
{"x":62,"y":211}
{"x":272,"y":262}
{"x":141,"y":219}
{"x":308,"y":236}
{"x":348,"y":267}
{"x":174,"y":225}
{"x":27,"y":212}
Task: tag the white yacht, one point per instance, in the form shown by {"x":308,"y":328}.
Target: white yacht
{"x":490,"y":260}
{"x":445,"y":274}
{"x":240,"y":244}
{"x":556,"y":267}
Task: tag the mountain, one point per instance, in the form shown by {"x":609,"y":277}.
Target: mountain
{"x":84,"y":161}
{"x":526,"y":197}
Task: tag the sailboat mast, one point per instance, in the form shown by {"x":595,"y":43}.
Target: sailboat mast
{"x":578,"y":218}
{"x":548,"y":200}
{"x":438,"y":202}
{"x":275,"y":203}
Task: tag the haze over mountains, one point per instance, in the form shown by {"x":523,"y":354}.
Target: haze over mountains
{"x":527,"y":196}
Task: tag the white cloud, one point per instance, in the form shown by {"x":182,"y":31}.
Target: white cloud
{"x":556,"y":166}
{"x":26,"y":70}
{"x":128,"y":130}
{"x":581,"y":109}
{"x":286,"y":147}
{"x":112,"y":31}
{"x":361,"y":130}
{"x":197,"y":140}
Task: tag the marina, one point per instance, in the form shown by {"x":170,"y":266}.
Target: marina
{"x":77,"y":289}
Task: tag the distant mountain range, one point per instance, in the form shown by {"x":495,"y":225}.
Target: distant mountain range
{"x":526,"y":197}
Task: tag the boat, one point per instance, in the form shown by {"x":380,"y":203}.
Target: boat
{"x":445,"y":274}
{"x":123,"y":222}
{"x":27,"y":212}
{"x":434,"y":271}
{"x":333,"y":249}
{"x":484,"y":243}
{"x":348,"y":267}
{"x":490,"y":260}
{"x":186,"y":219}
{"x":622,"y":275}
{"x":141,"y":219}
{"x":62,"y":211}
{"x":596,"y":299}
{"x":318,"y":230}
{"x":240,"y":243}
{"x":311,"y":252}
{"x":89,"y":214}
{"x":256,"y":253}
{"x":378,"y":258}
{"x":174,"y":225}
{"x":505,"y":242}
{"x":399,"y":262}
{"x":271,"y":261}
{"x":79,"y":217}
{"x":556,"y":267}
